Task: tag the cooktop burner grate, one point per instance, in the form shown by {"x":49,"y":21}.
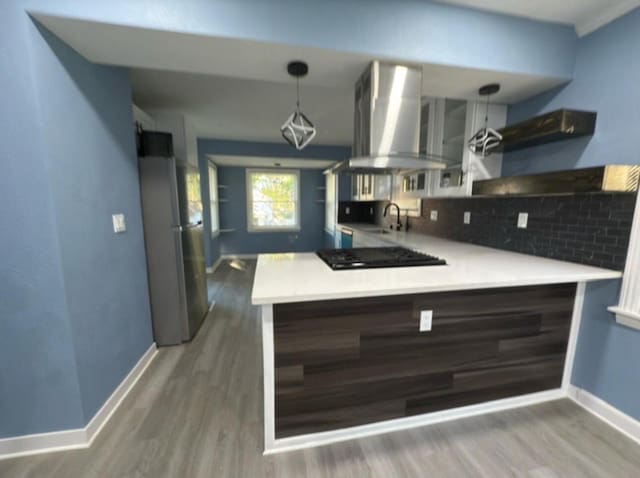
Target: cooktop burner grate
{"x":376,"y":257}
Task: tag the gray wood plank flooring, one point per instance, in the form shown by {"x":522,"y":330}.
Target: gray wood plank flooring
{"x":197,"y":412}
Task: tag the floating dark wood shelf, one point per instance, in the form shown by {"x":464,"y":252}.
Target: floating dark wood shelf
{"x":610,"y":178}
{"x":558,"y":125}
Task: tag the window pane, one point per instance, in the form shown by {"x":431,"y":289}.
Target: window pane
{"x":280,"y":214}
{"x":274,"y":197}
{"x":274,"y":187}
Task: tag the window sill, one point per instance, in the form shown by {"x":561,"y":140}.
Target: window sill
{"x":626,"y":318}
{"x":260,"y":231}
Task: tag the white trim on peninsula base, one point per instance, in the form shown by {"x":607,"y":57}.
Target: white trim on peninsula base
{"x":325,"y":438}
{"x":613,"y":417}
{"x":81,"y":437}
{"x":274,"y":445}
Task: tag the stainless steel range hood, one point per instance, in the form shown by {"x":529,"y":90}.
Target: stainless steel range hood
{"x":387,"y":122}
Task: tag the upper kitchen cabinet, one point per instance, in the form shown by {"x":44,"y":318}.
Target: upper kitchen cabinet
{"x":445,"y":126}
{"x":185,"y":143}
{"x":370,"y":187}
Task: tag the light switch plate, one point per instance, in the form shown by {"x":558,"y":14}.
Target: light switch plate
{"x":347,"y":210}
{"x":434,"y":215}
{"x":523,"y":220}
{"x":467,"y":217}
{"x":426,"y":320}
{"x":119,"y":224}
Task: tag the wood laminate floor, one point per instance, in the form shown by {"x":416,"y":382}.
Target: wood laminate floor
{"x":197,"y":412}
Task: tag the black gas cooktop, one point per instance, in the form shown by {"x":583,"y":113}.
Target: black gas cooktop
{"x":376,"y":257}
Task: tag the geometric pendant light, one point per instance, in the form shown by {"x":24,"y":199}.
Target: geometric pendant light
{"x":298,"y":130}
{"x":486,"y":140}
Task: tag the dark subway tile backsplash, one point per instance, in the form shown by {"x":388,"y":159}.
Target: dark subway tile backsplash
{"x":356,"y":211}
{"x":591,"y":229}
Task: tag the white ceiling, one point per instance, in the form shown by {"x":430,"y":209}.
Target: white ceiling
{"x":254,"y":110}
{"x":239,"y":89}
{"x":585,"y":15}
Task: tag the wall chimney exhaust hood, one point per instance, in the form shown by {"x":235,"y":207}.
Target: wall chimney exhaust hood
{"x":386,"y":133}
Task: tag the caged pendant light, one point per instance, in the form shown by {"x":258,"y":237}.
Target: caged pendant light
{"x":298,"y":130}
{"x":486,"y":140}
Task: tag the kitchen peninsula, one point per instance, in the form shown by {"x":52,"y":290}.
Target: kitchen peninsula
{"x":358,"y":352}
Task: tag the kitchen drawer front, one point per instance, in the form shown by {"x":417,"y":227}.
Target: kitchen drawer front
{"x":350,"y":362}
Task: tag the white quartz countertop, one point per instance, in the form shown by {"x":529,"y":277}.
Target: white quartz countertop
{"x":300,"y":277}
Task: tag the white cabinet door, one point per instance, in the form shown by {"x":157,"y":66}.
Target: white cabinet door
{"x":330,"y":202}
{"x":381,"y":188}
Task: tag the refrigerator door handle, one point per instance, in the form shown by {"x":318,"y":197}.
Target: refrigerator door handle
{"x":182,"y":293}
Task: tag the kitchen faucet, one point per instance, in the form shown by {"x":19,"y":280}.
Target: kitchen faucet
{"x":386,"y":209}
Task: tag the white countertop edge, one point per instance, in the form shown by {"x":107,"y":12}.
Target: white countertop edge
{"x":584,"y":274}
{"x":422,"y":290}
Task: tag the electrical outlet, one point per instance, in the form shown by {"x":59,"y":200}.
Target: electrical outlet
{"x":426,"y":320}
{"x":119,"y":224}
{"x":467,"y":217}
{"x":347,"y":210}
{"x":371,"y":211}
{"x":523,"y":220}
{"x":434,"y":215}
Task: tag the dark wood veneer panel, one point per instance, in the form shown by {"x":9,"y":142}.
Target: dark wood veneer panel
{"x":349,"y":362}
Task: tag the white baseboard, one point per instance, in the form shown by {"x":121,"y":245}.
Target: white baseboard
{"x":216,"y":264}
{"x":622,"y":422}
{"x":103,"y":415}
{"x":42,"y":443}
{"x":325,"y":438}
{"x":80,"y":437}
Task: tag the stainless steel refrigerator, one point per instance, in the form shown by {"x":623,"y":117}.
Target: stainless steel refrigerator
{"x":174,"y":240}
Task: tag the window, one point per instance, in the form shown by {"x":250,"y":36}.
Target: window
{"x":213,"y":199}
{"x":273,"y":200}
{"x":330,"y":202}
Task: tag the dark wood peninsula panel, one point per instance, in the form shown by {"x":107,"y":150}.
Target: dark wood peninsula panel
{"x":342,"y":363}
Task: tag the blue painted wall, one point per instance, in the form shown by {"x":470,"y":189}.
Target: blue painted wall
{"x":606,"y":80}
{"x":233,"y":214}
{"x":39,"y":388}
{"x":430,"y":32}
{"x":93,"y":169}
{"x":74,"y":311}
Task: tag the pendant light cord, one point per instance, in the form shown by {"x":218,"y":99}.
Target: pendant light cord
{"x":486,"y":115}
{"x":297,"y":93}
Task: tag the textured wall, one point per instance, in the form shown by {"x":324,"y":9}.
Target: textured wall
{"x":412,"y":30}
{"x":606,"y":80}
{"x":39,"y":389}
{"x":233,"y":214}
{"x":591,"y":229}
{"x":74,"y":312}
{"x":93,"y":170}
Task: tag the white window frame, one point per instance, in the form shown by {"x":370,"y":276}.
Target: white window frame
{"x":257,"y":229}
{"x":628,"y":310}
{"x":214,"y":203}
